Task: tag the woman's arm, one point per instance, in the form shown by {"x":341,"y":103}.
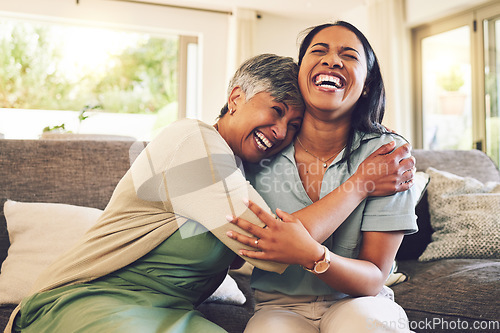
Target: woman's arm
{"x":286,"y":240}
{"x":324,"y":216}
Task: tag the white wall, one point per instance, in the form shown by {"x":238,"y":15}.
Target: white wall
{"x":277,"y":34}
{"x":211,"y":28}
{"x":422,"y":11}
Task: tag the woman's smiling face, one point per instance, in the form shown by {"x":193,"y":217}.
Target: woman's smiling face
{"x":261,"y":126}
{"x":333,"y":72}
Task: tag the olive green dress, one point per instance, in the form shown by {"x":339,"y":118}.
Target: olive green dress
{"x":157,"y":293}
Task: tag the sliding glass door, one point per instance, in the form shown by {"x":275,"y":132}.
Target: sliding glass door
{"x":457,"y":71}
{"x":491,"y":28}
{"x":446,"y":89}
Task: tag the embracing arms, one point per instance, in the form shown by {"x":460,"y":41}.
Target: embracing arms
{"x":286,"y":240}
{"x":298,"y":239}
{"x":324,"y":216}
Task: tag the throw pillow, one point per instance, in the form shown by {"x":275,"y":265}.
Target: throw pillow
{"x":40,"y":232}
{"x":228,"y":293}
{"x":464,"y":216}
{"x":420,"y":182}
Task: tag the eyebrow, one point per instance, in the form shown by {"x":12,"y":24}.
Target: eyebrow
{"x":345,"y":48}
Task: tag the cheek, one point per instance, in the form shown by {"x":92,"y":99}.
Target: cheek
{"x":302,"y":80}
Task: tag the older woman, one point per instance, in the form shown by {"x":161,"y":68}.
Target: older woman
{"x":160,"y":247}
{"x":336,"y":282}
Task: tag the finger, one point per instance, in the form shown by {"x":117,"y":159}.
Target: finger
{"x":405,"y":186}
{"x":407,"y":163}
{"x":254,"y":254}
{"x":284,"y":216}
{"x":385,"y":149}
{"x":251,"y":228}
{"x":264,"y":216}
{"x":403,"y":151}
{"x":243,"y":239}
{"x":407,"y":175}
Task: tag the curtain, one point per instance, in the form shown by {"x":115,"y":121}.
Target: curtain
{"x":390,"y":38}
{"x":242,"y":26}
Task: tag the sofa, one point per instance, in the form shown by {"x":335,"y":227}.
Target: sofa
{"x":437,"y":294}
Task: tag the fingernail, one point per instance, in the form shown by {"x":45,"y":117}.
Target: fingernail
{"x":245,"y":201}
{"x":230,"y":218}
{"x":229,"y":234}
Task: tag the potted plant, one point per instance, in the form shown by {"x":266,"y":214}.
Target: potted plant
{"x":60,"y":131}
{"x":451,"y":99}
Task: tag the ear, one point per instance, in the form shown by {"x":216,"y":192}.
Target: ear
{"x":237,"y":96}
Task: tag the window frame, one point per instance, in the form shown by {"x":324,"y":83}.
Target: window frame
{"x":472,"y":18}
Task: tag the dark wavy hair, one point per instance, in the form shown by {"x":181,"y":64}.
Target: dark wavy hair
{"x":369,"y":110}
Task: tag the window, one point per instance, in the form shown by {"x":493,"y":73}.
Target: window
{"x":458,"y":82}
{"x":93,"y":80}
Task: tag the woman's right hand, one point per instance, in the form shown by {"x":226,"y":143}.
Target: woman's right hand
{"x":283,"y":239}
{"x":387,"y":170}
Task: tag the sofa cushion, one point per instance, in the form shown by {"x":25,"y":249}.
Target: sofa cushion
{"x":450,"y":289}
{"x":465,"y":217}
{"x":39,"y":233}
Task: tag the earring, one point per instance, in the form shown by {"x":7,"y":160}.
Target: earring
{"x":231,"y":111}
{"x":365,"y":93}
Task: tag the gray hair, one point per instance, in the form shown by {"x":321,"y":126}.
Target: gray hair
{"x":269,"y":73}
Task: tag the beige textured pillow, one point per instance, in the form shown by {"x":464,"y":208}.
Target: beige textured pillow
{"x":465,"y":216}
{"x":38,"y":233}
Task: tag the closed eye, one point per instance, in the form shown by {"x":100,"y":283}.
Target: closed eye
{"x":351,"y":56}
{"x":279,"y":111}
{"x":295,"y":126}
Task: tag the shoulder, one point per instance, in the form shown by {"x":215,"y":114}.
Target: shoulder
{"x":375,"y":140}
{"x":184,"y":128}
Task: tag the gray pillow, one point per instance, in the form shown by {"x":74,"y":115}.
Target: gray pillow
{"x":465,"y":217}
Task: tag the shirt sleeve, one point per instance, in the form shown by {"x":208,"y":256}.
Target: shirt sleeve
{"x":391,"y":213}
{"x":394,"y":212}
{"x":200,"y":179}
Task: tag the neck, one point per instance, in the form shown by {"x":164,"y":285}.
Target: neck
{"x":322,"y":137}
{"x":220,"y":126}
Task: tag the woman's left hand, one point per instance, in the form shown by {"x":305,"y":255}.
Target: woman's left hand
{"x":283,"y":239}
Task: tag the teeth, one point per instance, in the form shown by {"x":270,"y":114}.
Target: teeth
{"x":261,"y":146}
{"x":262,"y":141}
{"x":326,"y":80}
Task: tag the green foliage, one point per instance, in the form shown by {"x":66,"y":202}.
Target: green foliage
{"x":452,"y":80}
{"x":28,"y":69}
{"x":57,"y":128}
{"x":142,"y":79}
{"x":493,"y":135}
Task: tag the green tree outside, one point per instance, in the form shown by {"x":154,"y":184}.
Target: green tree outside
{"x":141,"y":79}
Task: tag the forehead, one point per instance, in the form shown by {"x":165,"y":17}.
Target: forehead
{"x":338,"y":36}
{"x":266,"y":97}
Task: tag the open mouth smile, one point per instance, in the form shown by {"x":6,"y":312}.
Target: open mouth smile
{"x":328,"y":81}
{"x":262,"y":141}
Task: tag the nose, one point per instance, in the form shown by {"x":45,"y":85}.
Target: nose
{"x":279,"y":130}
{"x":332,"y":60}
